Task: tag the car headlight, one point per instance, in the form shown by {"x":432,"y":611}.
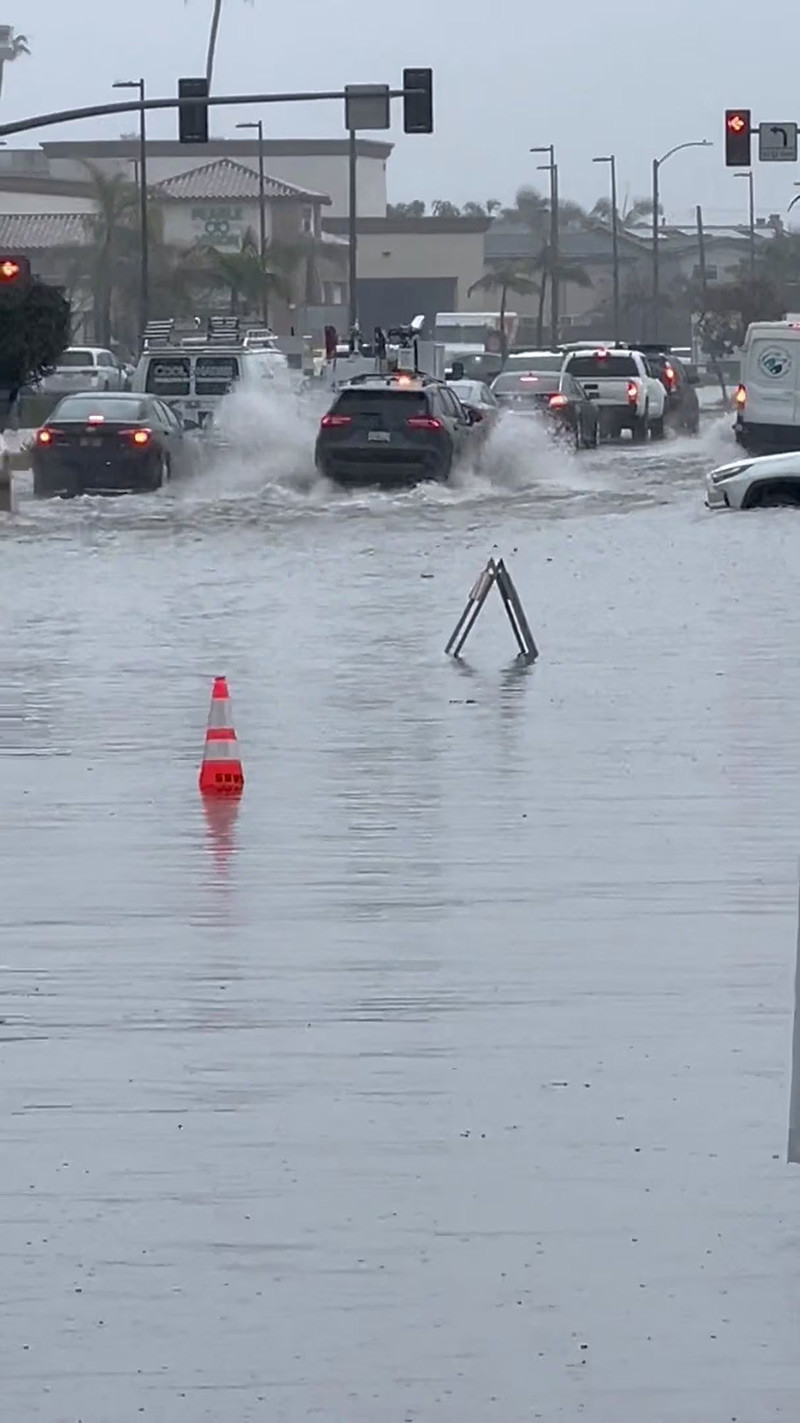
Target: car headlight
{"x":719,"y":475}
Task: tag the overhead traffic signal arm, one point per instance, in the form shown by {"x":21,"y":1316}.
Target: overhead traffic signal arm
{"x":738,"y":130}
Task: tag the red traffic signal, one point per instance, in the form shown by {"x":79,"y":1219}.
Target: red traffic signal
{"x":14,"y":271}
{"x":737,"y":138}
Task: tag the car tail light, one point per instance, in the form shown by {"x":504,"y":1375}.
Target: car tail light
{"x":740,"y":397}
{"x":557,"y":402}
{"x":633,"y":392}
{"x":137,"y":437}
{"x":334,"y":422}
{"x":44,"y":437}
{"x":669,"y":377}
{"x":96,"y":420}
{"x":424,"y":422}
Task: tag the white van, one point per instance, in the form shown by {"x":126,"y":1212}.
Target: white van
{"x":768,"y":397}
{"x":193,"y":372}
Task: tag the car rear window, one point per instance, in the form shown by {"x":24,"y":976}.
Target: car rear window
{"x":214,"y":375}
{"x":382,"y":402}
{"x":76,"y":358}
{"x":527,"y":383}
{"x":546,"y":362}
{"x":80,"y":407}
{"x":599,"y":366}
{"x":168,"y":375}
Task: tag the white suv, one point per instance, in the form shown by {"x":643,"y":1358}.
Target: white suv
{"x":86,"y":368}
{"x":620,"y":383}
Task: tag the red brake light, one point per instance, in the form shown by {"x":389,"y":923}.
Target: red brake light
{"x":44,"y":437}
{"x":669,"y":376}
{"x":558,"y":401}
{"x":96,"y":419}
{"x":633,"y":392}
{"x":740,"y":397}
{"x":138,"y":436}
{"x":329,"y":422}
{"x":424,"y":422}
{"x":601,"y":355}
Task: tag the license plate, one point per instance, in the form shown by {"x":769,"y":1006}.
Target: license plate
{"x":379,"y":437}
{"x":88,"y":440}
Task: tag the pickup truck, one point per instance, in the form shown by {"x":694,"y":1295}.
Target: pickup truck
{"x":620,"y":383}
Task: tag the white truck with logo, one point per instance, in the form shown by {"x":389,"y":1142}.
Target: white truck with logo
{"x":620,"y":383}
{"x":768,"y":398}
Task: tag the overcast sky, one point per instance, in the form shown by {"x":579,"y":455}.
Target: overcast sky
{"x":631,"y":78}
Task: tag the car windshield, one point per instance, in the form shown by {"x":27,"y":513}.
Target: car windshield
{"x":214,"y":375}
{"x":466,"y":390}
{"x":76,"y":358}
{"x":168,"y":375}
{"x":81,"y":407}
{"x":600,"y":364}
{"x":527,"y":383}
{"x":382,"y":402}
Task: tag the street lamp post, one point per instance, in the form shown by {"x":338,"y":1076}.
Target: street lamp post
{"x":552,"y":169}
{"x":612,"y":164}
{"x":144,"y":241}
{"x":658,"y":164}
{"x":751,"y":219}
{"x":262,"y":217}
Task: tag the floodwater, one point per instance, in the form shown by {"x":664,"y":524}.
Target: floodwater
{"x":447,"y":1081}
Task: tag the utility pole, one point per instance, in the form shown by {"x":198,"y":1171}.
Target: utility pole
{"x":144,"y":236}
{"x":751,"y":207}
{"x":612,"y":163}
{"x":262,"y":217}
{"x":552,"y":169}
{"x":353,"y":232}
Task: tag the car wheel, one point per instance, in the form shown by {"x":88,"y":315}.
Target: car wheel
{"x":163,"y":473}
{"x":639,"y":429}
{"x":657,"y":431}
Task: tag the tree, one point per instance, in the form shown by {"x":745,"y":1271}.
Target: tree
{"x":414,"y":209}
{"x":34,"y":330}
{"x":241,"y":273}
{"x":487,"y":209}
{"x":506,"y":277}
{"x":10,"y":49}
{"x":442,"y":208}
{"x":113,"y":233}
{"x":631,"y":214}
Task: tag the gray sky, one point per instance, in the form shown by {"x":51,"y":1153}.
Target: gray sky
{"x":630,"y":78}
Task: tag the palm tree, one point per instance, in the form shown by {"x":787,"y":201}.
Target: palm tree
{"x":506,"y":277}
{"x":114,"y":234}
{"x":11,"y":47}
{"x":631,"y":214}
{"x":213,"y":35}
{"x":241,"y":272}
{"x":562,"y":271}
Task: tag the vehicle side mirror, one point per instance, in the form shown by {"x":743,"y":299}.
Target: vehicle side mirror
{"x":474,"y":416}
{"x":189,"y":424}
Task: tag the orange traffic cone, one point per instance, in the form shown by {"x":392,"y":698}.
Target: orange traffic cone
{"x":221,"y":772}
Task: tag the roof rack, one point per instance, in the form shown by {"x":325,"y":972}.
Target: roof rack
{"x":191,"y":332}
{"x":256,"y":336}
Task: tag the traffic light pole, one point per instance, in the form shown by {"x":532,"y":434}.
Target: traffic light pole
{"x":352,"y":281}
{"x":94,"y":111}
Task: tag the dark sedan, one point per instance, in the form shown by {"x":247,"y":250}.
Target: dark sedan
{"x":114,"y":442}
{"x":557,"y":397}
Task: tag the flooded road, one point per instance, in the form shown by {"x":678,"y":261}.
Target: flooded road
{"x":448,"y":1079}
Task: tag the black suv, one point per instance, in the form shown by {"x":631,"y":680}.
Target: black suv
{"x":393,"y":429}
{"x":682,"y":409}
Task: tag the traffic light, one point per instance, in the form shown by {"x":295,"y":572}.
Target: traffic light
{"x":418,"y":107}
{"x":737,"y":138}
{"x":193,"y":118}
{"x":14,"y":271}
